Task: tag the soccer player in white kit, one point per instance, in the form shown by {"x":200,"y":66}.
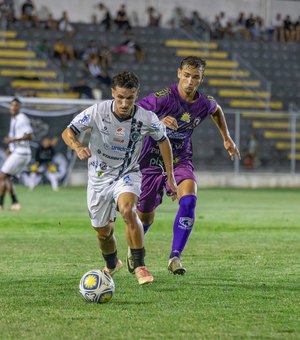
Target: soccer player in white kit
{"x":118,"y":128}
{"x":20,"y":133}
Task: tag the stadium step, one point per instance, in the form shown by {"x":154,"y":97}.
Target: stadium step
{"x":35,"y":84}
{"x":23,"y":63}
{"x":286,"y":146}
{"x":27,"y":73}
{"x":227,"y":73}
{"x":297,"y":156}
{"x":190,"y":44}
{"x":243,"y":93}
{"x":8,"y":34}
{"x":280,"y":134}
{"x":222,"y":63}
{"x":255,"y":104}
{"x":65,"y":95}
{"x":202,"y":54}
{"x":273,"y":125}
{"x":234,"y":82}
{"x":17,"y":54}
{"x":265,"y":115}
{"x":13,"y":43}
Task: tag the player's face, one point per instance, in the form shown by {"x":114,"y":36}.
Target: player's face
{"x":14,"y":108}
{"x":190,"y":79}
{"x":124,"y":100}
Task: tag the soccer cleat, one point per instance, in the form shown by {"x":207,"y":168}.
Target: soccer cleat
{"x":113,"y":271}
{"x":143,"y":276}
{"x":175,"y":266}
{"x":15,"y":207}
{"x":129,"y":262}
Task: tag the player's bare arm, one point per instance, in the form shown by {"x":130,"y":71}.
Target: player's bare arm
{"x":167,"y":155}
{"x":83,"y":152}
{"x":170,"y":122}
{"x":219,"y":119}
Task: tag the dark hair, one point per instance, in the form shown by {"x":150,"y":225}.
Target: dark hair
{"x":126,"y":80}
{"x":17,"y":100}
{"x":194,"y":62}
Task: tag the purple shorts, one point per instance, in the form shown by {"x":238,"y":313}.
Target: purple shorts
{"x":154,"y":182}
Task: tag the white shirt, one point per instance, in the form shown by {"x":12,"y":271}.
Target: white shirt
{"x":115,"y":143}
{"x":20,"y":126}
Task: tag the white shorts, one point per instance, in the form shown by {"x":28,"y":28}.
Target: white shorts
{"x":102,"y":204}
{"x":15,"y":164}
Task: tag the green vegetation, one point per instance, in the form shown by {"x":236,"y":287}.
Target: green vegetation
{"x":242,"y":277}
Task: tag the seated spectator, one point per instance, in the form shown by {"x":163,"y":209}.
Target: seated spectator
{"x":43,"y":165}
{"x":86,"y":91}
{"x":122,"y":19}
{"x":45,"y":48}
{"x":130,"y":46}
{"x":90,"y":49}
{"x":62,"y":51}
{"x":29,"y":16}
{"x":65,"y":26}
{"x":288,"y":29}
{"x":95,"y":70}
{"x":251,"y":161}
{"x":154,"y":17}
{"x":277,"y":28}
{"x":105,"y":17}
{"x":51,"y":23}
{"x":178,"y":18}
{"x":105,"y":55}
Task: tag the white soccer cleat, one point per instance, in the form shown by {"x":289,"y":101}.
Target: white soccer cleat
{"x":175,"y":266}
{"x":15,"y":207}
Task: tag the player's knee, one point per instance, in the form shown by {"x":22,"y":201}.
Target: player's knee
{"x":105,"y":234}
{"x":188,"y":204}
{"x":146,"y":218}
{"x":128,"y":212}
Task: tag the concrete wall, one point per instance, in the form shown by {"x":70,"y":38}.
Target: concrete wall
{"x":223,"y":180}
{"x":82,"y":10}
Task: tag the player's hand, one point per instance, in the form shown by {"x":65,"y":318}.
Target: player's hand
{"x":83,"y":152}
{"x":173,"y":187}
{"x":232,"y":149}
{"x":170,"y":122}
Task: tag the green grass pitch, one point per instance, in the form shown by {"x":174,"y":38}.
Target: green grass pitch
{"x":242,"y":280}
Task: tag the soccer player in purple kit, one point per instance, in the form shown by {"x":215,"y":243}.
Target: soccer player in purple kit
{"x":181,"y":108}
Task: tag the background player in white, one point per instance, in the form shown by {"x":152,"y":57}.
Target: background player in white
{"x":118,"y":128}
{"x":20,"y":132}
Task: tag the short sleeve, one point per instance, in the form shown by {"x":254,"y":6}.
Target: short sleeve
{"x":157,"y":130}
{"x":84,"y":120}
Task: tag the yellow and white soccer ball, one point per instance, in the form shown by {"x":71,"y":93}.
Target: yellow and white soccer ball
{"x":97,"y":286}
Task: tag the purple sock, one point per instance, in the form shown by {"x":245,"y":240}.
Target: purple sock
{"x":146,"y":227}
{"x":183,"y":224}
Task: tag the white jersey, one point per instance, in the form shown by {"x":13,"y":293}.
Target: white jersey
{"x":20,"y":126}
{"x":115,"y":143}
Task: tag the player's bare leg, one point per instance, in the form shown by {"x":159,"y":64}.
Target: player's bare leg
{"x":2,"y":189}
{"x":108,"y":246}
{"x":135,"y":236}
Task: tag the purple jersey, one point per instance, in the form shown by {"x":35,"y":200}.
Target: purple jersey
{"x":168,"y":102}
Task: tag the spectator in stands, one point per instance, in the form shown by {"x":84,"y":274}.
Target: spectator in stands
{"x":277,"y":28}
{"x":90,"y":49}
{"x":251,"y":26}
{"x":105,"y":17}
{"x":45,"y":48}
{"x":250,"y":161}
{"x":105,"y":55}
{"x":239,"y":26}
{"x":288,"y":29}
{"x":86,"y":91}
{"x":122,"y":19}
{"x":65,"y":26}
{"x":44,"y":165}
{"x":62,"y":51}
{"x":51,"y":23}
{"x":7,"y":13}
{"x":96,"y":70}
{"x":29,"y":16}
{"x":130,"y":46}
{"x":178,"y":18}
{"x":154,"y":17}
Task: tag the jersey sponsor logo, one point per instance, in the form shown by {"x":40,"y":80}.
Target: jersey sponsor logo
{"x":156,"y":126}
{"x":154,"y":150}
{"x":186,"y":222}
{"x":175,"y":134}
{"x":106,"y":119}
{"x":162,"y":93}
{"x":186,"y":117}
{"x":103,"y":166}
{"x":111,"y":157}
{"x":99,"y":151}
{"x":84,"y":119}
{"x":176,"y":160}
{"x":118,"y":140}
{"x":120,"y":132}
{"x":106,"y":146}
{"x":196,"y":122}
{"x":120,"y":148}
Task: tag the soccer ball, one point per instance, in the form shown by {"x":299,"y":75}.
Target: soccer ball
{"x":97,"y":286}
